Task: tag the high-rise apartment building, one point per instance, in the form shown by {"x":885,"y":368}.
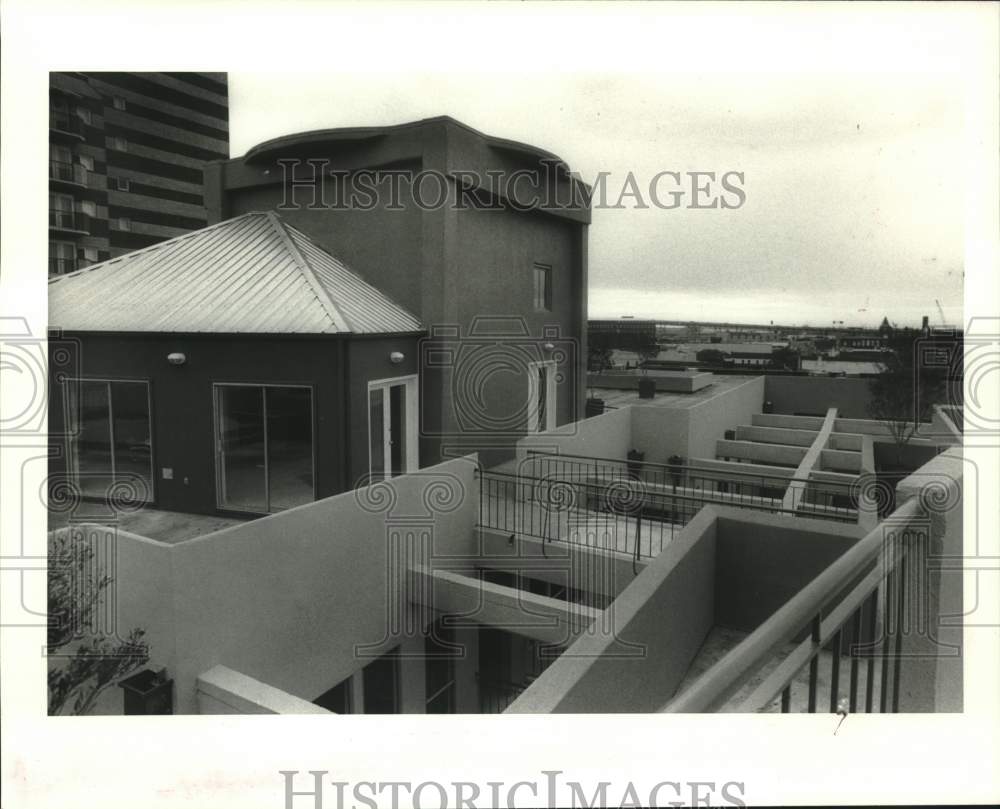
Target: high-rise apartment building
{"x":126,"y":153}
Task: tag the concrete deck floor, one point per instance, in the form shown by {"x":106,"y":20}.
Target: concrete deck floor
{"x":165,"y":526}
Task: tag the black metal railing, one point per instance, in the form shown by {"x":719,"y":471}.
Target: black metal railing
{"x":831,"y":500}
{"x":622,"y":514}
{"x":856,"y":637}
{"x":864,"y":633}
{"x":580,"y":513}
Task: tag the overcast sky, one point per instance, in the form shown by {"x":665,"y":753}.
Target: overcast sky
{"x":854,"y":199}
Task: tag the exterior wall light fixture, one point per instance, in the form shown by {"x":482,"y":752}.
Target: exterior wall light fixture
{"x":176,"y":358}
{"x":396,"y":357}
{"x":548,"y":346}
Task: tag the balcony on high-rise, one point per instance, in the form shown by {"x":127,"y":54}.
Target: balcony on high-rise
{"x":70,"y":173}
{"x":64,"y":122}
{"x":68,"y":221}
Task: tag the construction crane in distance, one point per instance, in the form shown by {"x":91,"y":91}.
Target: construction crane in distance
{"x":941,"y":312}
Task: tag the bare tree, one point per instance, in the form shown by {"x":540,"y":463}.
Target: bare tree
{"x":647,"y":349}
{"x":902,"y":394}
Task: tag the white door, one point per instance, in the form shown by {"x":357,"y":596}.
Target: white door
{"x":541,"y":396}
{"x":392,"y":427}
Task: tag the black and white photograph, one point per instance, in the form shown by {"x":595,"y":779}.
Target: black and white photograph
{"x":500,"y":404}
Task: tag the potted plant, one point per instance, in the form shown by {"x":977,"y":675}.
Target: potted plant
{"x":634,"y":463}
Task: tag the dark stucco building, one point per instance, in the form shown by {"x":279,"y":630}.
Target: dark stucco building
{"x":483,"y":239}
{"x":238,"y":369}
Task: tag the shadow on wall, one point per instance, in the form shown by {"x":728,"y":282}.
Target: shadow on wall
{"x":891,"y":458}
{"x":813,"y":396}
{"x":288,"y":598}
{"x":727,"y":568}
{"x":893,"y":464}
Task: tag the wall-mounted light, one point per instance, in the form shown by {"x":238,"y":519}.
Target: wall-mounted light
{"x":396,"y":357}
{"x":176,"y":358}
{"x":548,"y":346}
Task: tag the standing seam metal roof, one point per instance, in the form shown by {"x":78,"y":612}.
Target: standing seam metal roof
{"x":253,"y":273}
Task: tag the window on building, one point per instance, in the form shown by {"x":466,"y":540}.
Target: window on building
{"x":337,"y":699}
{"x":543,"y":287}
{"x":117,"y":143}
{"x":89,"y":208}
{"x":86,"y":256}
{"x":381,"y":681}
{"x":61,"y":211}
{"x":87,"y":162}
{"x":62,"y":258}
{"x":264,"y":446}
{"x":59,"y":114}
{"x":440,"y":671}
{"x":118,"y":102}
{"x":84,"y":115}
{"x":122,"y":223}
{"x":60,"y":154}
{"x":496,"y":677}
{"x":61,"y":163}
{"x":122,"y":183}
{"x":110,"y":441}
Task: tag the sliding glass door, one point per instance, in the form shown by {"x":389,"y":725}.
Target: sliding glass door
{"x":264,"y":447}
{"x":242,"y":456}
{"x":110,"y":438}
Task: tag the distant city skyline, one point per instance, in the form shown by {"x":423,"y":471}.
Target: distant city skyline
{"x":614,"y":304}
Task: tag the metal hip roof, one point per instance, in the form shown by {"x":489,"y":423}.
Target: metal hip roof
{"x":253,"y":273}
